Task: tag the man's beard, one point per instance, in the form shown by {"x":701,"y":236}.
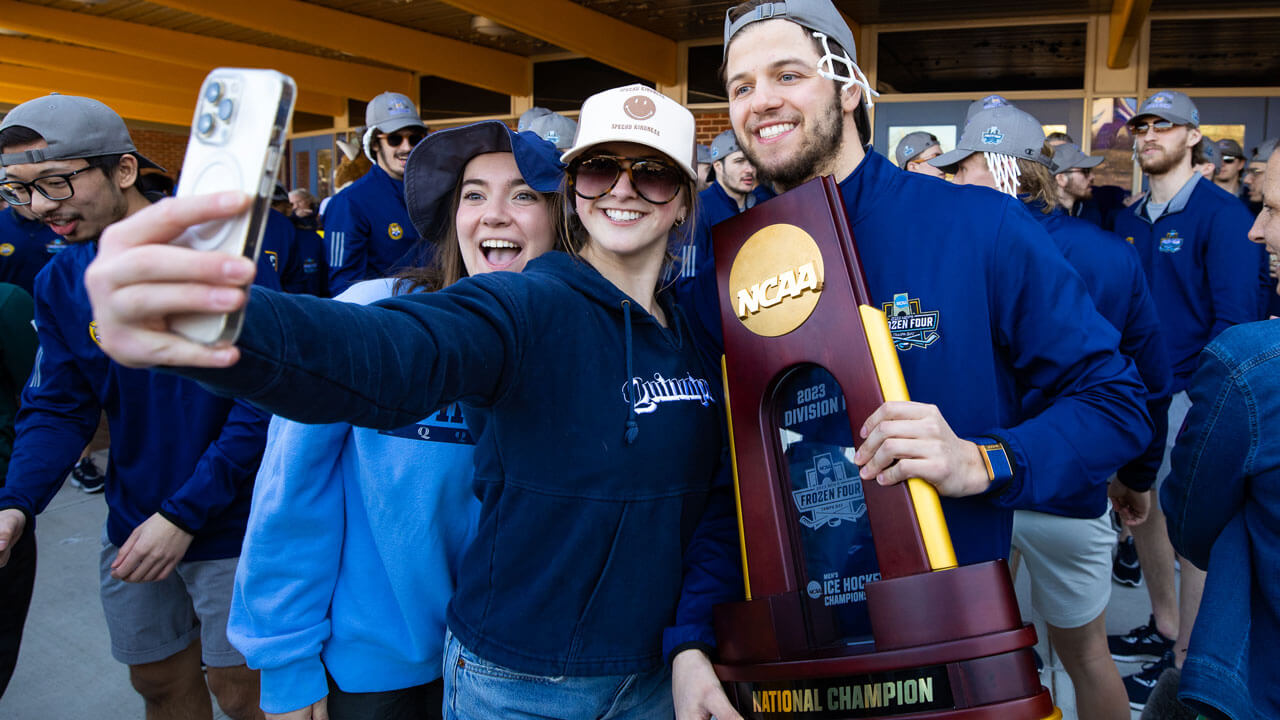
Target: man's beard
{"x":820,"y":147}
{"x":1163,"y":162}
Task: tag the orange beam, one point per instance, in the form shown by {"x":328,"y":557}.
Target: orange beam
{"x":132,"y":109}
{"x":586,"y":32}
{"x":87,"y":62}
{"x":1127,"y":18}
{"x":419,"y":51}
{"x":344,"y":79}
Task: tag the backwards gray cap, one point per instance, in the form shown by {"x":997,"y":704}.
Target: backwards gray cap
{"x":704,"y":155}
{"x":554,"y":128}
{"x":911,"y":145}
{"x":986,"y":103}
{"x":818,"y":16}
{"x":1004,"y":130}
{"x":1069,"y":156}
{"x":1211,"y":153}
{"x":390,"y":111}
{"x":1169,"y":105}
{"x":1263,"y":153}
{"x":725,"y":144}
{"x":74,"y":127}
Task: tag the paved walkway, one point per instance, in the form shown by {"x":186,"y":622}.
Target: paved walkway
{"x":66,"y":671}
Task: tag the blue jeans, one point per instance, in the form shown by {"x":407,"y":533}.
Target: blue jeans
{"x":475,"y":689}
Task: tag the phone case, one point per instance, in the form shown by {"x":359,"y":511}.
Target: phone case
{"x":237,"y":139}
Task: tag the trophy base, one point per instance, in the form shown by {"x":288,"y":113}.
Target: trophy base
{"x":948,"y":644}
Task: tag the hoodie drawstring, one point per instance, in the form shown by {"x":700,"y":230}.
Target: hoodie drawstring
{"x":633,"y":428}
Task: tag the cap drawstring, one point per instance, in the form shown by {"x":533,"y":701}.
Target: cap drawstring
{"x":633,"y":428}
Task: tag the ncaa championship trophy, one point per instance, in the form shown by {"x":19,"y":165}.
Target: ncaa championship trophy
{"x":854,"y":605}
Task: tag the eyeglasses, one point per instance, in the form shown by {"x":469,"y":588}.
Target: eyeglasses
{"x":654,"y":180}
{"x":1160,"y":126}
{"x":1229,"y":159}
{"x":395,"y":139}
{"x":53,"y":187}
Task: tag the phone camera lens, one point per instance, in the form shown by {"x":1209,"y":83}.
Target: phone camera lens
{"x":205,"y":124}
{"x":224,"y":109}
{"x":213,"y":91}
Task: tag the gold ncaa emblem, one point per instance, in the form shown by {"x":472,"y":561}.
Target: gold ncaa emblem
{"x":394,"y":231}
{"x":776,"y":280}
{"x":93,"y":334}
{"x":6,"y":249}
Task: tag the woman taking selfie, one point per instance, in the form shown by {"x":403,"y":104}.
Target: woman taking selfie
{"x":355,"y":535}
{"x":598,"y":428}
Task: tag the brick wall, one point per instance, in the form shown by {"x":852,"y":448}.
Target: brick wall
{"x":166,"y":149}
{"x":710,"y":124}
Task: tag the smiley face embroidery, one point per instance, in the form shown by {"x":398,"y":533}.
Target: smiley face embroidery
{"x":639,"y":108}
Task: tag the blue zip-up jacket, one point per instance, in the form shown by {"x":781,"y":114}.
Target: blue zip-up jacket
{"x":1222,"y":501}
{"x":353,"y":544}
{"x":176,"y":449}
{"x":367,"y":230}
{"x":987,"y":309}
{"x":696,"y":256}
{"x":1203,"y":271}
{"x":606,"y":529}
{"x":1113,"y":276}
{"x":25,"y":247}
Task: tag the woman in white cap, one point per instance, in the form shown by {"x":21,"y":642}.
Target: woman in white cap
{"x":355,"y":535}
{"x":599,"y":439}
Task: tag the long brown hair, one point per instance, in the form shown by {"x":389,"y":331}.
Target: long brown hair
{"x":1035,"y":180}
{"x":446,"y":267}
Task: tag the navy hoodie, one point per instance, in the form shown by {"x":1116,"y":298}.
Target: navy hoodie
{"x":176,"y":449}
{"x":1203,"y":271}
{"x":990,"y":311}
{"x":606,"y":527}
{"x":367,"y":229}
{"x":1113,"y":275}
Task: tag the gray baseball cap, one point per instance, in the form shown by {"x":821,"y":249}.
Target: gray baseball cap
{"x":1209,"y":149}
{"x":1069,"y":156}
{"x":1005,"y":130}
{"x":528,"y":116}
{"x":911,"y":145}
{"x":390,"y":112}
{"x":704,"y":155}
{"x":816,"y":15}
{"x":725,"y":144}
{"x":986,"y":103}
{"x":554,"y":128}
{"x":74,"y":127}
{"x":1263,"y":153}
{"x":1230,"y":148}
{"x":1169,"y":105}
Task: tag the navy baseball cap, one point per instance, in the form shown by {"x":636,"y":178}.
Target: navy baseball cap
{"x":435,"y":167}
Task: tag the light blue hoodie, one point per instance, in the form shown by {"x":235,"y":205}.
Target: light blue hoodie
{"x":351,"y":552}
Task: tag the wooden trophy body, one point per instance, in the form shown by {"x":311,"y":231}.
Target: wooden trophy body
{"x":854,"y":605}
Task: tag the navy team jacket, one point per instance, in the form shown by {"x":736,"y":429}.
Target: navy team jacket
{"x":176,"y":449}
{"x":368,"y":230}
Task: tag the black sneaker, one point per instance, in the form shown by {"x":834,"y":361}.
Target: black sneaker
{"x":1125,"y":569}
{"x":86,"y":476}
{"x":1141,"y":643}
{"x":1140,"y":684}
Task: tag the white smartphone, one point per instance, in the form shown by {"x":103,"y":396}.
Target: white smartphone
{"x":237,"y":139}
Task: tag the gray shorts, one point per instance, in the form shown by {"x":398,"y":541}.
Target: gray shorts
{"x":149,"y":622}
{"x":1069,"y":561}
